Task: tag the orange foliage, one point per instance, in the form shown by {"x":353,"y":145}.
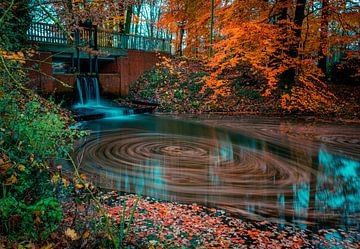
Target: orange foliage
{"x":256,"y":44}
{"x":13,"y":56}
{"x":256,"y":33}
{"x":220,"y":87}
{"x":308,"y":97}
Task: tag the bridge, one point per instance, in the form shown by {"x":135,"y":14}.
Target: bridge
{"x":117,"y":59}
{"x":51,"y":38}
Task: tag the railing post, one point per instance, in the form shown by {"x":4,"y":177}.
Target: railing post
{"x":163,"y":45}
{"x":42,"y":34}
{"x":125,"y":41}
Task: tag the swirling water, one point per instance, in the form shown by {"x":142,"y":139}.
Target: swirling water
{"x":257,"y":168}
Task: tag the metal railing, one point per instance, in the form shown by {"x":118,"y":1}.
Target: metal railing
{"x":46,"y":33}
{"x":51,"y":34}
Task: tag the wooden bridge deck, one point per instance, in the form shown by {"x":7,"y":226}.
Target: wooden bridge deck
{"x":49,"y":38}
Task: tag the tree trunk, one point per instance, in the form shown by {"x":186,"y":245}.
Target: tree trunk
{"x":158,"y":31}
{"x":122,"y":22}
{"x":211,"y":27}
{"x":323,"y":37}
{"x":299,"y":17}
{"x":138,"y":11}
{"x":181,"y":36}
{"x":298,"y":21}
{"x":129,"y":12}
{"x":287,"y":79}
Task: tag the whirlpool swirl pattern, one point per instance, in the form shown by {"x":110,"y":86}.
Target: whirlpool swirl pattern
{"x":192,"y":169}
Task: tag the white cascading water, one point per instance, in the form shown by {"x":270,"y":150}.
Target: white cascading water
{"x":88,"y":89}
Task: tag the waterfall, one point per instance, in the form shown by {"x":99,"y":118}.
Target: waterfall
{"x":88,"y":90}
{"x":90,"y":105}
{"x":79,"y":88}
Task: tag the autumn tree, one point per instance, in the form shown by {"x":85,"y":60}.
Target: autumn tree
{"x":190,"y":21}
{"x":286,"y":43}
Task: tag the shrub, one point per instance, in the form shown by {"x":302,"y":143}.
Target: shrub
{"x":175,"y":84}
{"x":34,"y":133}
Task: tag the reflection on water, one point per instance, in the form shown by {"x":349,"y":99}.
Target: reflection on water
{"x":341,"y":179}
{"x":252,"y":168}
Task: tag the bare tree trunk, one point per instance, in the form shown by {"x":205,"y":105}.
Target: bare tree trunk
{"x":288,"y":77}
{"x":283,"y":9}
{"x":152,"y":20}
{"x":323,"y":37}
{"x":138,"y":11}
{"x":299,"y":17}
{"x":122,"y":14}
{"x":298,"y":21}
{"x":129,"y":12}
{"x":211,"y":27}
{"x":181,"y":36}
{"x":158,"y":31}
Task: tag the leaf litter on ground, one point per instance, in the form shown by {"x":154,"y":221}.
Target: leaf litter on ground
{"x":163,"y":224}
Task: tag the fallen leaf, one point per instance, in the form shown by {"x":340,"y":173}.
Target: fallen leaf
{"x":71,"y":234}
{"x":48,"y":246}
{"x":86,"y":234}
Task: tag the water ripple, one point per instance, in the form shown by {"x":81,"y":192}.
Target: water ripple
{"x":241,"y":179}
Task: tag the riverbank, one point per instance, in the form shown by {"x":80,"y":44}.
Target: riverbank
{"x":159,"y":224}
{"x":180,"y":86}
{"x":349,"y":116}
{"x":349,"y":96}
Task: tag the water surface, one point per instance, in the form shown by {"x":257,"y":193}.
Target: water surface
{"x":281,"y":170}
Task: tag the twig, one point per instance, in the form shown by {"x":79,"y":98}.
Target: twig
{"x":6,"y":12}
{"x":55,"y":20}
